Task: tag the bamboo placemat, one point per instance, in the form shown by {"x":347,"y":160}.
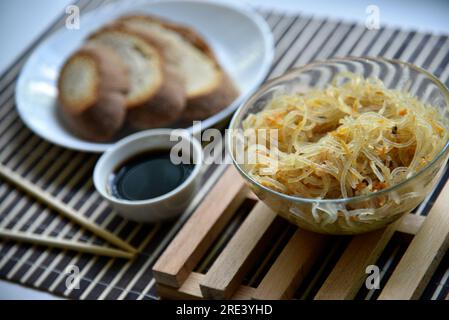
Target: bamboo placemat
{"x":67,"y":174}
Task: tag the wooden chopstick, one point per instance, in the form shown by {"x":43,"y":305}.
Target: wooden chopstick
{"x":62,"y":208}
{"x":64,"y":244}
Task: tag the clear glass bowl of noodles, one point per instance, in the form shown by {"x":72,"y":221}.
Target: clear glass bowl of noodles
{"x":371,"y":211}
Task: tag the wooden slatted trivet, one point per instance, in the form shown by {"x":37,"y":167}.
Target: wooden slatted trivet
{"x":176,"y":275}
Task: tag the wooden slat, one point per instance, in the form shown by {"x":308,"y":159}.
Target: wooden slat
{"x":190,"y":289}
{"x":348,"y":274}
{"x":292,"y":265}
{"x":252,"y":196}
{"x":410,"y":224}
{"x":224,"y":276}
{"x":190,"y":244}
{"x":423,"y":254}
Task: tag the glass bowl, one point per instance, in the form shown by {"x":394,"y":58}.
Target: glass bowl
{"x":375,"y":210}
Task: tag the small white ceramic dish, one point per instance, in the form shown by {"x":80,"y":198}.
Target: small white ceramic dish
{"x":163,"y":207}
{"x":240,"y":38}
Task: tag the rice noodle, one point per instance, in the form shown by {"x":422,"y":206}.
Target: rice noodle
{"x":351,"y":138}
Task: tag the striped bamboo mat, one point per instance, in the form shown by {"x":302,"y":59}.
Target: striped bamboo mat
{"x":67,"y":174}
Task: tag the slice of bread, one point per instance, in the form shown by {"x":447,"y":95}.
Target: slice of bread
{"x":92,"y":87}
{"x":208,"y":87}
{"x":156,"y":97}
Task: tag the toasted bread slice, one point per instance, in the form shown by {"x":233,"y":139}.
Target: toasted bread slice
{"x":156,"y":97}
{"x":208,"y":87}
{"x":93,"y":85}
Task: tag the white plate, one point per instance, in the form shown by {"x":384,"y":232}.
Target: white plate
{"x":240,"y":38}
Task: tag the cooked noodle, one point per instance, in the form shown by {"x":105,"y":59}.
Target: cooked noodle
{"x":345,"y":140}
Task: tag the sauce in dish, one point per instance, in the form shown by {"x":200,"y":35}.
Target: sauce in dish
{"x":148,"y":175}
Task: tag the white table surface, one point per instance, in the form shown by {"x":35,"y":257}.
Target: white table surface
{"x":21,"y":21}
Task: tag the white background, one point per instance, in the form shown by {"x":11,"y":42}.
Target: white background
{"x":21,"y":21}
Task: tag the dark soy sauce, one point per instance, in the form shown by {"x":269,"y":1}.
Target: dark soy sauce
{"x":148,"y":175}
